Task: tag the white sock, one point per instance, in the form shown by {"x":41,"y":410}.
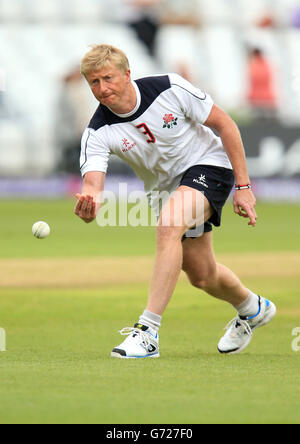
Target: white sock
{"x":250,"y":306}
{"x":150,"y":319}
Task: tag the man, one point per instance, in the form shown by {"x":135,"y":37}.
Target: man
{"x":167,"y":126}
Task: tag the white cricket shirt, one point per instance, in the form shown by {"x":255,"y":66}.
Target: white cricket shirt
{"x":160,"y":139}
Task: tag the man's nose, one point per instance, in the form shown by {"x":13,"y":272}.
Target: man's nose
{"x":102,"y":88}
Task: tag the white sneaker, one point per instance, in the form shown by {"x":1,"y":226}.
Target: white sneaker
{"x":240,"y":330}
{"x":142,"y":342}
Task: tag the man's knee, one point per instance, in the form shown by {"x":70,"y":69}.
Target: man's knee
{"x":204,"y":278}
{"x":166,"y":233}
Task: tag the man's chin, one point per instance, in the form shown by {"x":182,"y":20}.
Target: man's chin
{"x":108,"y":101}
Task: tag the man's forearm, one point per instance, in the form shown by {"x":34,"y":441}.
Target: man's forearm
{"x":232,"y":141}
{"x":233,"y":144}
{"x":89,"y":201}
{"x":93,"y":184}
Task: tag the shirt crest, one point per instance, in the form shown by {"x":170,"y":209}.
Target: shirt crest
{"x":169,"y":121}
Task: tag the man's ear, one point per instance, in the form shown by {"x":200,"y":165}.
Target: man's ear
{"x":128,"y":75}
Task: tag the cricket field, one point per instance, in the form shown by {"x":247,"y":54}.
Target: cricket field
{"x":63,"y":300}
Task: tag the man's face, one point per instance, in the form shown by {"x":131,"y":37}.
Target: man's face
{"x":109,"y":85}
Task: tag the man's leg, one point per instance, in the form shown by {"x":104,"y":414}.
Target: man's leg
{"x":253,"y":311}
{"x":186,"y":208}
{"x":177,"y":216}
{"x":205,"y":273}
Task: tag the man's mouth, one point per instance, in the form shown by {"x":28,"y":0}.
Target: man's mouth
{"x":106,"y":97}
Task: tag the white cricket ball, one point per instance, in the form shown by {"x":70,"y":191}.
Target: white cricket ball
{"x":41,"y":230}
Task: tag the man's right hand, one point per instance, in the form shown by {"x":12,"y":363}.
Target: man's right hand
{"x":85,"y":208}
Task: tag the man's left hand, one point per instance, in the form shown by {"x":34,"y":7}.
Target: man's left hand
{"x":244,"y":205}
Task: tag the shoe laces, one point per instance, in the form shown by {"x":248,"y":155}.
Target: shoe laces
{"x":142,"y":336}
{"x":241,"y":327}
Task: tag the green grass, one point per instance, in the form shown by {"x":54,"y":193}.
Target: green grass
{"x":277,"y":230}
{"x":57,"y":367}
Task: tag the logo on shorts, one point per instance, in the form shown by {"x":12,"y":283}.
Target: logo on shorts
{"x":170,"y":121}
{"x":201,"y":180}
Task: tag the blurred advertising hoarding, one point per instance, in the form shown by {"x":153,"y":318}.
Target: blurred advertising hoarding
{"x":272,"y":150}
{"x":273,"y":156}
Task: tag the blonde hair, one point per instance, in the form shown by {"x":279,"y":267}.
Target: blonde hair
{"x":100,"y":55}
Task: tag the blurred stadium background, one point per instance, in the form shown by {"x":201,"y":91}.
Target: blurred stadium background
{"x":245,"y":54}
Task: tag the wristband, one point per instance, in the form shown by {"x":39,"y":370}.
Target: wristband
{"x":243,"y":187}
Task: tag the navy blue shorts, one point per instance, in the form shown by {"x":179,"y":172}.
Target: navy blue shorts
{"x":216,"y":183}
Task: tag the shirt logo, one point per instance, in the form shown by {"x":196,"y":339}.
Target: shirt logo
{"x":127,"y":146}
{"x":201,"y":180}
{"x":169,"y":121}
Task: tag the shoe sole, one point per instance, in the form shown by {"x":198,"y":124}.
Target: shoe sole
{"x":117,"y":355}
{"x":239,"y":350}
{"x":269,"y":315}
